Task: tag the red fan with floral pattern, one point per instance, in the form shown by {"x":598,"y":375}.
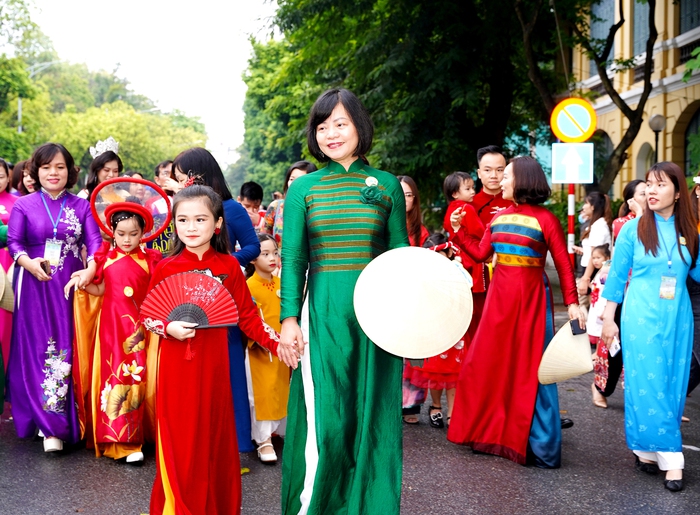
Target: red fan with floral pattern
{"x":191,"y":297}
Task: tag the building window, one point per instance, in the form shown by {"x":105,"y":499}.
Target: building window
{"x":641,"y":27}
{"x":603,"y":17}
{"x":692,"y":145}
{"x":690,"y":14}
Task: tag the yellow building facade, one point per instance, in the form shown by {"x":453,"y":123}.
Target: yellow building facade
{"x":678,"y":26}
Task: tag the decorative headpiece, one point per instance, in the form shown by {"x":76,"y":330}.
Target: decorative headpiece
{"x":104,"y":146}
{"x":445,"y":246}
{"x":112,"y":196}
{"x":193,"y":178}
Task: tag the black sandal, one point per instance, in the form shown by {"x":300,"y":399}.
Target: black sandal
{"x":436,"y":418}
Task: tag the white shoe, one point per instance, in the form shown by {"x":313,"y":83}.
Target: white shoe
{"x":40,"y":434}
{"x":135,"y":457}
{"x":268,"y":457}
{"x":53,"y":444}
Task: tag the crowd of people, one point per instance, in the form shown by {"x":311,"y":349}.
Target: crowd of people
{"x":82,"y":362}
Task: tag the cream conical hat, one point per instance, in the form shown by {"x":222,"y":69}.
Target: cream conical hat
{"x":414,"y":302}
{"x":7,"y":296}
{"x":567,"y":355}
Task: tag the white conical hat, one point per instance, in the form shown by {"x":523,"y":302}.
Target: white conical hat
{"x":567,"y":355}
{"x":414,"y":302}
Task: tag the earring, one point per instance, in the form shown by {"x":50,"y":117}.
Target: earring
{"x":217,"y":230}
{"x":323,"y":156}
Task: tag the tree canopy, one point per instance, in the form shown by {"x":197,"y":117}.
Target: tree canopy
{"x":73,"y":105}
{"x":440,"y":79}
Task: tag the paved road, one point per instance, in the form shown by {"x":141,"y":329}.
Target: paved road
{"x":597,"y":474}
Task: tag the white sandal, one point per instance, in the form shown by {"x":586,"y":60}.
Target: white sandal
{"x":268,"y":457}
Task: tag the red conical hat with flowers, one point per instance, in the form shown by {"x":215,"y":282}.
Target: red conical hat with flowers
{"x":133,"y":195}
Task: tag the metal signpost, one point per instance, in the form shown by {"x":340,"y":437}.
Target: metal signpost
{"x":573,"y":121}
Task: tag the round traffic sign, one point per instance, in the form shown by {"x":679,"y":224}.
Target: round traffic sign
{"x":573,"y":120}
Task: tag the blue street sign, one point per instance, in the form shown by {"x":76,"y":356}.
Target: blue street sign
{"x":572,"y":163}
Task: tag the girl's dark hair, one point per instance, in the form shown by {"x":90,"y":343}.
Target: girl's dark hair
{"x":212,"y":200}
{"x":199,"y":162}
{"x":120,"y":216}
{"x":322,"y":109}
{"x":17,"y":179}
{"x":530,"y":184}
{"x":3,"y":164}
{"x":437,"y":238}
{"x":44,"y":155}
{"x":250,"y":267}
{"x":627,"y":194}
{"x":604,"y":248}
{"x":98,"y":164}
{"x":601,"y":209}
{"x":306,"y":166}
{"x":414,"y":219}
{"x":131,"y":173}
{"x":453,"y":182}
{"x":647,"y":230}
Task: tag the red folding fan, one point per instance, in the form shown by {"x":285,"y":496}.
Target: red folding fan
{"x":191,"y":297}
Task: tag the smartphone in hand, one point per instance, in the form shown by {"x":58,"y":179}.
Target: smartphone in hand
{"x":576,"y":327}
{"x":46,"y":267}
{"x":614,"y":347}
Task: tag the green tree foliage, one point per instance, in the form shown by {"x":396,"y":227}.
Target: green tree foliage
{"x":440,"y":79}
{"x":15,"y":20}
{"x":14,"y":80}
{"x":145,"y":139}
{"x":575,"y":17}
{"x":70,"y":104}
{"x":269,"y":144}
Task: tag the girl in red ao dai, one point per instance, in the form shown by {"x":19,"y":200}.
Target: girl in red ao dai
{"x":197,"y":467}
{"x":119,"y":370}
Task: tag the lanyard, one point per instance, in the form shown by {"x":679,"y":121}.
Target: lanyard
{"x":58,"y":219}
{"x":661,"y":239}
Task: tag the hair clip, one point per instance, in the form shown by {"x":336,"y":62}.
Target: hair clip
{"x":193,"y":178}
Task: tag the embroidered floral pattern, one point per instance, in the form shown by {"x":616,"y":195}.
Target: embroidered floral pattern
{"x":270,"y":331}
{"x":134,"y":370}
{"x":155,"y":326}
{"x":104,"y":396}
{"x":56,"y":382}
{"x":71,"y":243}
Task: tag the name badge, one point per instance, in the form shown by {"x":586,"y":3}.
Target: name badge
{"x":52,"y":251}
{"x":668,"y":287}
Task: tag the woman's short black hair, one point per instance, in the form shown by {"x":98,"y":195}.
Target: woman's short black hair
{"x":530,"y":184}
{"x":45,"y":154}
{"x":199,"y":162}
{"x":98,"y":164}
{"x":306,"y":166}
{"x":322,"y":109}
{"x":3,"y":164}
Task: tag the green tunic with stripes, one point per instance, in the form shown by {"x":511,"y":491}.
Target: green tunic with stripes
{"x":347,"y":390}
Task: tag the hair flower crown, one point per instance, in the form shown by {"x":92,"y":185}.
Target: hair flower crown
{"x":104,"y":146}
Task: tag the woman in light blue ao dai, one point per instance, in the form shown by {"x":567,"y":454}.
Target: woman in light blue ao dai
{"x":660,"y":248}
